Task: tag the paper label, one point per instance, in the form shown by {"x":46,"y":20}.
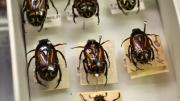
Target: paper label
{"x":52,"y":21}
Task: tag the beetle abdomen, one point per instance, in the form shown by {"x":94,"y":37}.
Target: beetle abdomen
{"x":86,"y":9}
{"x":128,"y":4}
{"x":36,"y":18}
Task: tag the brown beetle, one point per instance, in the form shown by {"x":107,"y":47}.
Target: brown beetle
{"x":141,"y":47}
{"x":46,"y":62}
{"x":95,"y":58}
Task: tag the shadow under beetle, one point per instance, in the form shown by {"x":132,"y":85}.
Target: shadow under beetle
{"x":141,"y":47}
{"x":95,"y":58}
{"x":85,"y":8}
{"x":128,"y":5}
{"x":100,"y":97}
{"x":46,"y":62}
{"x":36,"y":11}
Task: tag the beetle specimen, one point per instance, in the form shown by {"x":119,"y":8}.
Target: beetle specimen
{"x":141,"y":47}
{"x":85,"y":8}
{"x":36,"y":11}
{"x":46,"y":62}
{"x":128,"y":5}
{"x":95,"y":58}
{"x":100,"y":97}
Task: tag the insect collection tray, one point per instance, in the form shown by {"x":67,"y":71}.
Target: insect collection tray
{"x":113,"y":27}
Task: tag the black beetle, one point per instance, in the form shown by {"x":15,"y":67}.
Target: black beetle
{"x":46,"y":62}
{"x":36,"y":11}
{"x":85,"y":8}
{"x":100,"y":97}
{"x":95,"y":58}
{"x":141,"y":47}
{"x":128,"y":5}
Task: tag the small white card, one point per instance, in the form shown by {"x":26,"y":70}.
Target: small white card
{"x":69,"y":15}
{"x":115,"y":9}
{"x":52,"y":21}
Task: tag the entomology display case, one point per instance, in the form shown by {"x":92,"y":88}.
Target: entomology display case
{"x":114,"y":27}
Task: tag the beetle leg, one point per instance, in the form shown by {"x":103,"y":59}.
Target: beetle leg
{"x":37,"y":78}
{"x":97,"y":14}
{"x":62,"y":57}
{"x":153,"y":45}
{"x":106,"y":72}
{"x":106,"y":94}
{"x":104,"y":42}
{"x":74,"y":14}
{"x":138,"y":5}
{"x":83,"y":97}
{"x":107,"y":57}
{"x":54,"y":6}
{"x":60,"y":77}
{"x":135,"y":64}
{"x":42,"y":25}
{"x":129,"y":53}
{"x":23,"y":11}
{"x":152,"y":58}
{"x":29,"y":65}
{"x":86,"y":71}
{"x":117,"y":97}
{"x":124,"y":41}
{"x":69,"y":1}
{"x":30,"y":51}
{"x":119,"y":5}
{"x":78,"y":68}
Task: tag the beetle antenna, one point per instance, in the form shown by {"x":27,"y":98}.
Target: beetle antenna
{"x":67,"y":5}
{"x":60,"y":44}
{"x":145,"y":22}
{"x":78,"y":47}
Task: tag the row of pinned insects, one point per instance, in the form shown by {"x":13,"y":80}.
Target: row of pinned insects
{"x":96,"y":60}
{"x":36,"y":10}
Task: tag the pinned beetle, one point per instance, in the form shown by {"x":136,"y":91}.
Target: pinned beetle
{"x":141,"y":47}
{"x":100,"y":97}
{"x":95,"y":59}
{"x":128,"y":5}
{"x":36,"y":11}
{"x":46,"y":62}
{"x":85,"y":8}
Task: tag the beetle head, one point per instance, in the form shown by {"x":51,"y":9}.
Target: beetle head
{"x":44,"y":41}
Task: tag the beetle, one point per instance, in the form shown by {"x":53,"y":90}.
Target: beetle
{"x":128,"y":5}
{"x":46,"y":62}
{"x":141,"y":47}
{"x":95,"y":58}
{"x":36,"y":11}
{"x":100,"y":97}
{"x":85,"y":8}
